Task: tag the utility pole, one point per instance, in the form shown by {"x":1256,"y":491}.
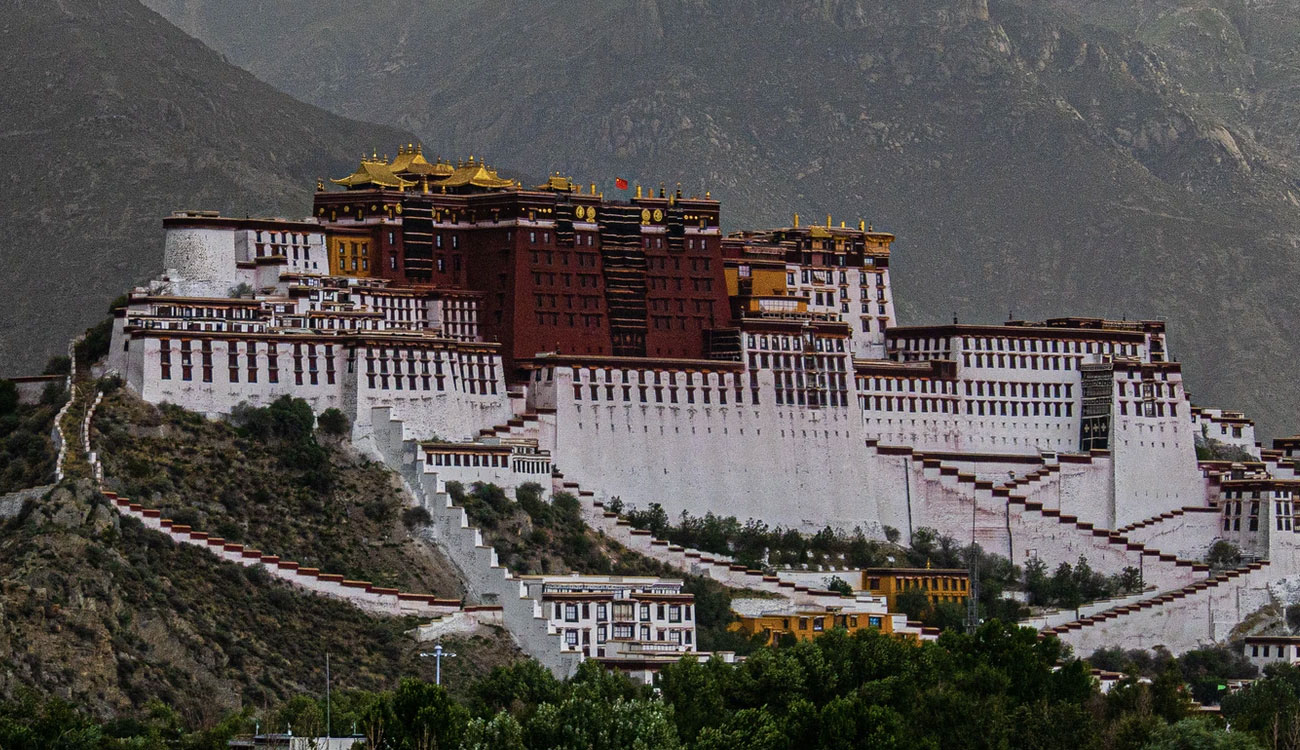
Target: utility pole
{"x":437,"y":655}
{"x":329,"y":727}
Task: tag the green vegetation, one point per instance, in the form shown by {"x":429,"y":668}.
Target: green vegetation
{"x":1223,"y":555}
{"x":27,"y":451}
{"x":755,"y":544}
{"x":1072,"y":585}
{"x":1203,"y":670}
{"x":1000,"y":688}
{"x":1269,"y":708}
{"x":264,"y":479}
{"x":1209,"y":449}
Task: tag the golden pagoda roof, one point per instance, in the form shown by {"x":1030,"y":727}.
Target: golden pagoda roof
{"x":559,"y":184}
{"x":475,"y":173}
{"x":373,"y":171}
{"x":410,"y":160}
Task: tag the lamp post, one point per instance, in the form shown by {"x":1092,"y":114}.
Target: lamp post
{"x":437,"y":655}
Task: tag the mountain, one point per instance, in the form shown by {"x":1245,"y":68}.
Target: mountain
{"x":113,"y":118}
{"x":1071,"y":157}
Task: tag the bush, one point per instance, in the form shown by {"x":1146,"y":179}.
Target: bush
{"x":8,"y":397}
{"x":95,"y":344}
{"x":59,"y":364}
{"x":333,"y":422}
{"x":1223,"y":555}
{"x":416,"y":517}
{"x":530,"y":497}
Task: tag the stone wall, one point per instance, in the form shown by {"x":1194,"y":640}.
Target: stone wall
{"x":483,"y":574}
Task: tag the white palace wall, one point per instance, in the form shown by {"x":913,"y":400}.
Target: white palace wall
{"x":792,"y":466}
{"x":456,"y":405}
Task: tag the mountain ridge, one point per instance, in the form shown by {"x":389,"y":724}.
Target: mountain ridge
{"x":1032,"y":159}
{"x":115,"y":118}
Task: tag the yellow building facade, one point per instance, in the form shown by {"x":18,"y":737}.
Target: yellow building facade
{"x":939,"y":584}
{"x":808,"y":624}
{"x":350,"y":254}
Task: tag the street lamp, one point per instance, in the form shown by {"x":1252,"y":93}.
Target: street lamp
{"x":437,"y":655}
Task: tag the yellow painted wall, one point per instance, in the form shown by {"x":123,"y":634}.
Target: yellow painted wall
{"x":808,"y":625}
{"x":932,"y":582}
{"x":350,"y":255}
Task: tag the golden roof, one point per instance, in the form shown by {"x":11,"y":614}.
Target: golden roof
{"x":475,"y":173}
{"x":559,"y":184}
{"x":373,"y":171}
{"x":410,"y":160}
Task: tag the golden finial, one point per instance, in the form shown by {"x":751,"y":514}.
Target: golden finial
{"x":661,"y":190}
{"x":862,"y":225}
{"x":638,"y":192}
{"x":708,"y":195}
{"x":828,"y":221}
{"x":419,"y":149}
{"x":320,"y":185}
{"x":868,"y":227}
{"x":593,"y":188}
{"x":385,"y":157}
{"x":796,"y":221}
{"x":679,"y":190}
{"x":841,"y":223}
{"x":424,"y":185}
{"x":374,"y":155}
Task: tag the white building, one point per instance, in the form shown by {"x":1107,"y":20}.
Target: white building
{"x":1263,"y":650}
{"x":614,"y":617}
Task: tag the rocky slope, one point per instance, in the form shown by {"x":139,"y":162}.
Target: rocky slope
{"x":1035,"y":158}
{"x":100,"y":611}
{"x":343,"y":514}
{"x":112,"y":119}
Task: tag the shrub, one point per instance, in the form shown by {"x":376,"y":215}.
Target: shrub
{"x":96,"y":343}
{"x":8,"y":397}
{"x":58,"y":365}
{"x":333,"y":422}
{"x":416,"y":517}
{"x":530,"y":497}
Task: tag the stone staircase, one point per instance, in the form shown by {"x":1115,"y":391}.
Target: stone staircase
{"x":524,"y":425}
{"x":1058,"y":537}
{"x":1179,"y":619}
{"x":492,"y":583}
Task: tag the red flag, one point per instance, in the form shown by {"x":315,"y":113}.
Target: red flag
{"x":620,"y":183}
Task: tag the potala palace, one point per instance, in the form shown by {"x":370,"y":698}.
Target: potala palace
{"x":474,"y":329}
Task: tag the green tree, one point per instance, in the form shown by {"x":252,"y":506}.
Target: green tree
{"x":913,"y":602}
{"x":8,"y":397}
{"x":1194,"y":734}
{"x":426,"y":717}
{"x":1223,"y":555}
{"x":501,"y":732}
{"x":333,"y":422}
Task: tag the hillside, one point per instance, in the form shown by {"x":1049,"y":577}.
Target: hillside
{"x":332,"y":510}
{"x":1034,"y":158}
{"x":113,"y":118}
{"x":109,"y":615}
